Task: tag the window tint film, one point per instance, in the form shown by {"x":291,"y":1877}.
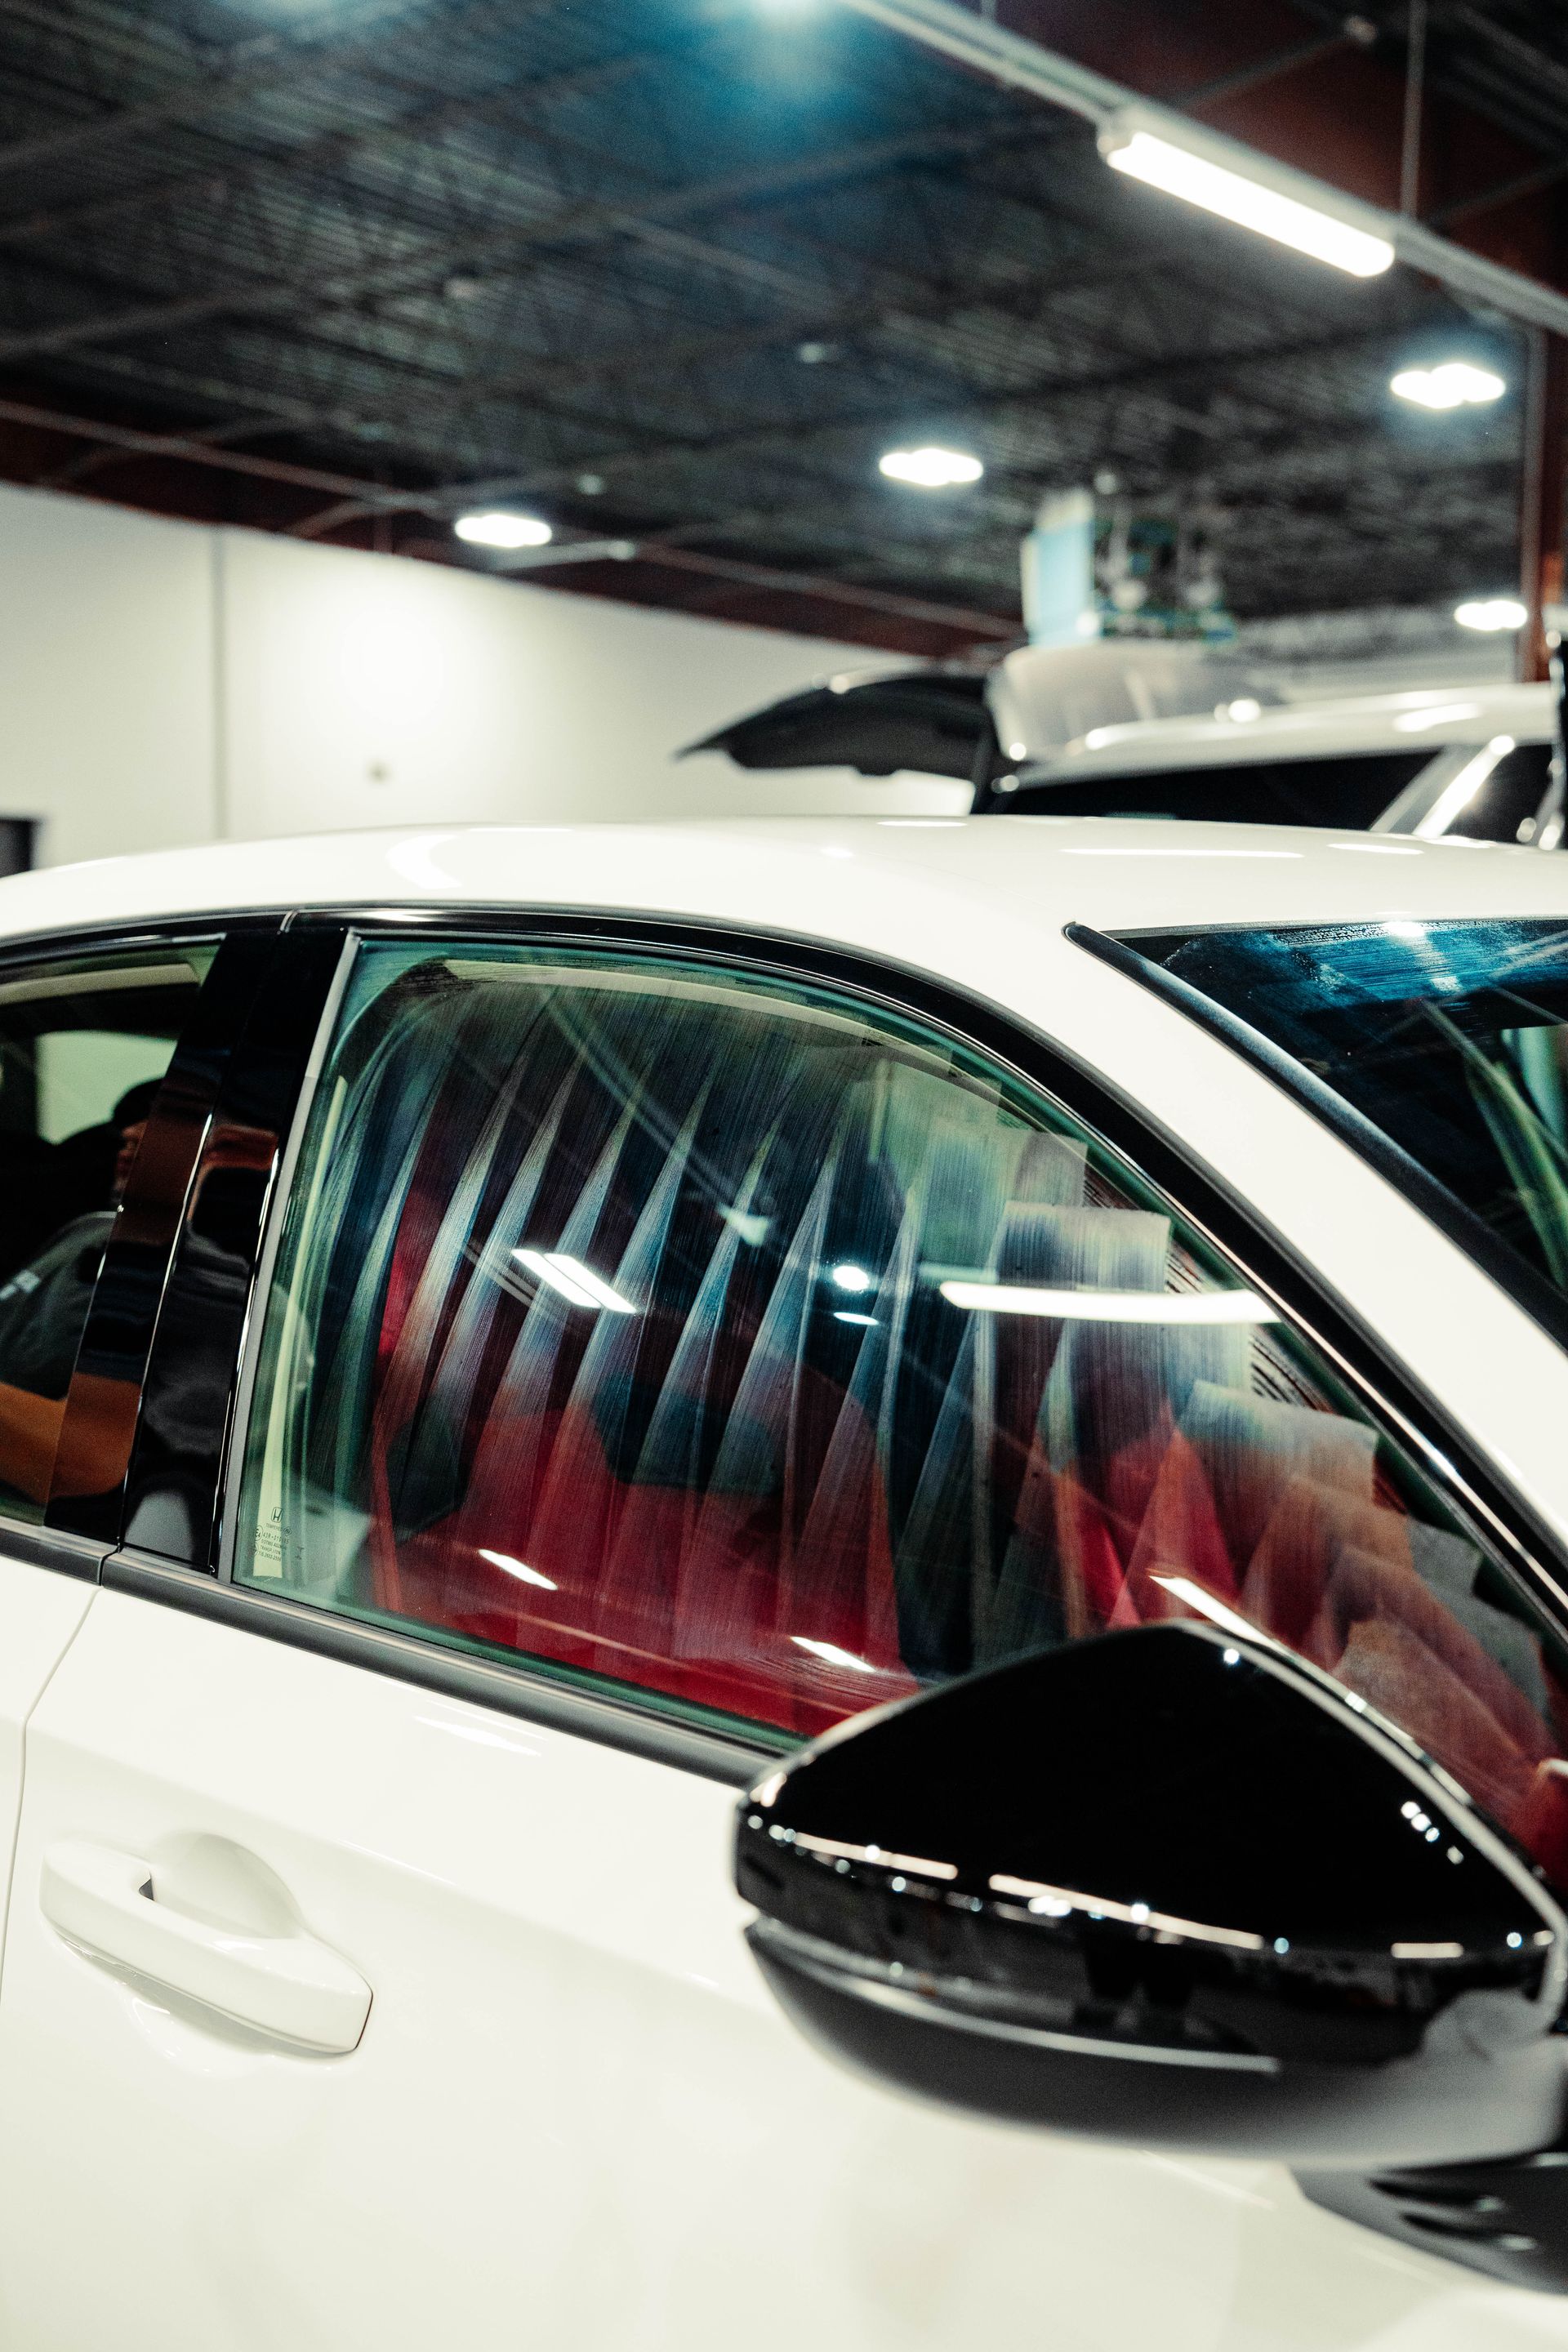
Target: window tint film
{"x":1450,"y":1037}
{"x":83,"y":1045}
{"x":770,"y":1358}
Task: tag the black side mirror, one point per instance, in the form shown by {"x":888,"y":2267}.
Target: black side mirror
{"x":1168,"y":1887}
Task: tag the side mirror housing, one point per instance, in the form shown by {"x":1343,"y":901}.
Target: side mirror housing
{"x":1167,"y":1887}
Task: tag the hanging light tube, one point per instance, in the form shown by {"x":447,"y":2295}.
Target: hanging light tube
{"x":1264,"y":197}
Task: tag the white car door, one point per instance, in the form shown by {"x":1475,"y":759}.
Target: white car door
{"x":374,"y":1976}
{"x":87,"y":1029}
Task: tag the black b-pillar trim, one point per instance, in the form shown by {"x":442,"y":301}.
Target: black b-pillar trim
{"x":174,"y":1489}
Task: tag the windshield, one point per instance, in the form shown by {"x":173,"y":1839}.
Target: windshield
{"x":1451,"y":1038}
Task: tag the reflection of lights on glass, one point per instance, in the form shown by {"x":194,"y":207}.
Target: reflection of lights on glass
{"x":572,"y":1280}
{"x":766,"y":1791}
{"x":831,"y":1654}
{"x":520,"y":1568}
{"x":1195,"y":1596}
{"x":843,"y":1315}
{"x":1111,"y":1305}
{"x":851,"y":1277}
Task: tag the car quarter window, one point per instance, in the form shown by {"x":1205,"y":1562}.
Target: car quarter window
{"x":721,"y":1337}
{"x":85,"y":1040}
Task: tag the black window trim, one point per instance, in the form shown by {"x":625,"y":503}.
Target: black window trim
{"x":1529,"y":1553}
{"x":1524,"y":1286}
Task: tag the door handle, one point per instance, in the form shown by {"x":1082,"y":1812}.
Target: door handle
{"x":290,"y":1987}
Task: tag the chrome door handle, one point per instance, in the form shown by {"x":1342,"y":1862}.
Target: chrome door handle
{"x":292,"y":1986}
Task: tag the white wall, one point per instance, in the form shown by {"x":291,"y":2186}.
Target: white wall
{"x":162,"y":682}
{"x":108,"y":723}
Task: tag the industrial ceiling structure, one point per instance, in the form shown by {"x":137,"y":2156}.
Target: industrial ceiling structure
{"x":672,"y":275}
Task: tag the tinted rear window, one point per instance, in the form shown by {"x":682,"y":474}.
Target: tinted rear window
{"x":1347,"y":793}
{"x":1450,"y":1038}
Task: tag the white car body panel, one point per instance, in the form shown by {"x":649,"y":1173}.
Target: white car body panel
{"x":39,"y":1612}
{"x":576,"y":2118}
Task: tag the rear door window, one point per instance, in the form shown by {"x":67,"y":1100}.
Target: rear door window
{"x":84,"y":1044}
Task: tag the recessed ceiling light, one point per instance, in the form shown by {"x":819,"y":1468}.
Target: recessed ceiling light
{"x":1491,"y":612}
{"x":932,"y":469}
{"x":1455,"y":385}
{"x":497,"y":529}
{"x":1262,"y":198}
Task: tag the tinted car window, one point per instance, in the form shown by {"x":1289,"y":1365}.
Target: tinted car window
{"x":83,"y":1044}
{"x":767,"y":1357}
{"x":1350,"y":792}
{"x":1450,"y":1038}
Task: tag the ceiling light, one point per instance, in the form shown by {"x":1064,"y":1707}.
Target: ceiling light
{"x":1255,"y":199}
{"x":1111,"y":1305}
{"x":931,"y":468}
{"x":497,"y":529}
{"x":1491,"y":612}
{"x":1455,"y":385}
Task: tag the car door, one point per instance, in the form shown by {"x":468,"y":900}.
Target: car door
{"x":648,"y":1369}
{"x":103,"y":1043}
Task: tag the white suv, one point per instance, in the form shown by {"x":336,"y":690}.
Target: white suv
{"x":1165,"y":733}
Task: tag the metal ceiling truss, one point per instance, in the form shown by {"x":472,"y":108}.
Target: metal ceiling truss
{"x":388,"y":258}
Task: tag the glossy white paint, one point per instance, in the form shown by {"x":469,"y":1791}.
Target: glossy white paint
{"x":574,"y":2118}
{"x":39,"y":1612}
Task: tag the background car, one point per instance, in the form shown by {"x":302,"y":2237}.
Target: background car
{"x":586,"y":1309}
{"x":1175,"y":731}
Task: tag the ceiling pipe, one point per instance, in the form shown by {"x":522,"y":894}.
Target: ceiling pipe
{"x":985,"y":48}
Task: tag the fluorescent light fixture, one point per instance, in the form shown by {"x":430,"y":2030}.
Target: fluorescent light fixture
{"x":1243,"y":711}
{"x":1455,"y":385}
{"x":572,"y":1280}
{"x":497,"y":529}
{"x":1254,"y":198}
{"x":1491,"y":613}
{"x":520,"y":1568}
{"x":931,"y":468}
{"x":1111,"y":1305}
{"x":1462,"y":789}
{"x":831,"y":1654}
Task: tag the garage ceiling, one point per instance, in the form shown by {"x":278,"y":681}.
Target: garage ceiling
{"x":676,"y":272}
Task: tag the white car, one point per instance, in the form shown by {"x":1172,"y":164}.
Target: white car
{"x":505,"y":1334}
{"x":1173,"y":732}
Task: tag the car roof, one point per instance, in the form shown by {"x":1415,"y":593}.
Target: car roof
{"x":937,"y":891}
{"x":1414,"y":720}
{"x":1417,"y":720}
